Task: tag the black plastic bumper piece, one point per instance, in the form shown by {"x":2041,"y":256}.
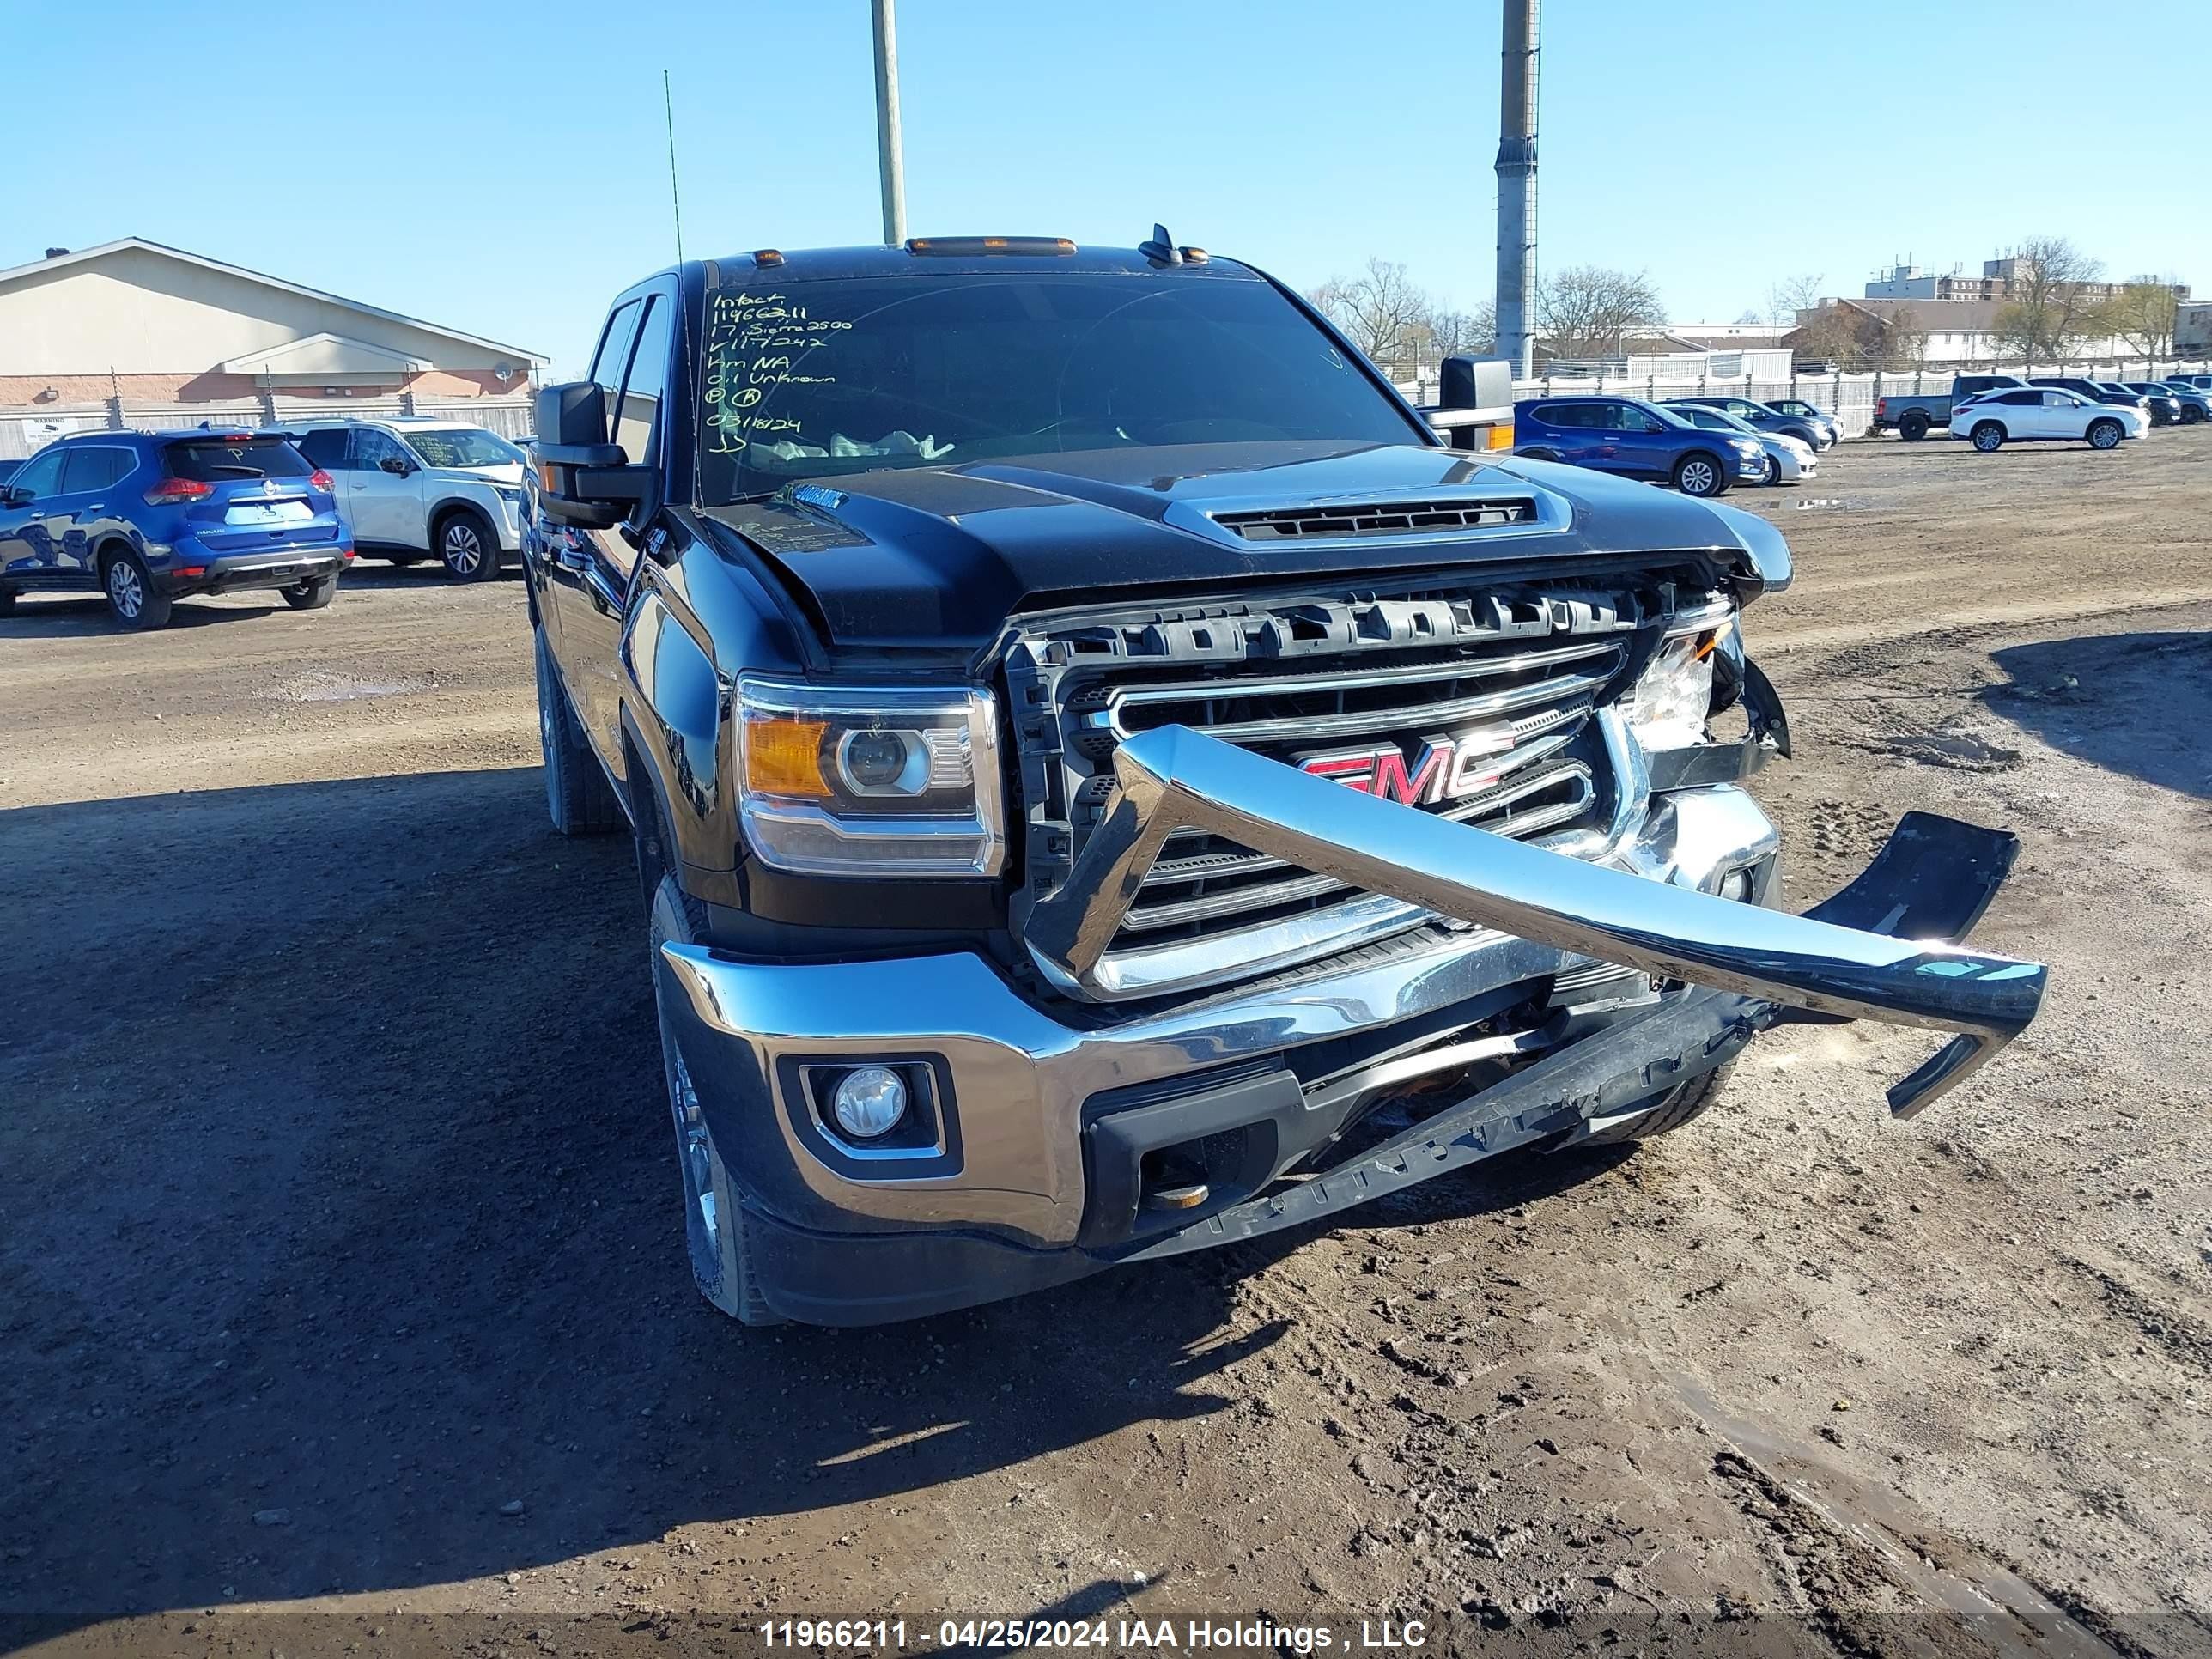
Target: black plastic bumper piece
{"x":876,"y":1278}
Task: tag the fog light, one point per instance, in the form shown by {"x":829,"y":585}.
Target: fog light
{"x":869,"y":1101}
{"x":1736,"y":885}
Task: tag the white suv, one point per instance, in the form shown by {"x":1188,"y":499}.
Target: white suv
{"x":412,"y":487}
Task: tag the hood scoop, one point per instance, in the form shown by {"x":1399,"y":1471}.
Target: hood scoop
{"x":1340,"y":520}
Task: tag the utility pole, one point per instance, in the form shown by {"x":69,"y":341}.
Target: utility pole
{"x":887,"y":125}
{"x":1516,"y":187}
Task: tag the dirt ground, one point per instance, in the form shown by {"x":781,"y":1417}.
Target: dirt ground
{"x":342,"y":1277}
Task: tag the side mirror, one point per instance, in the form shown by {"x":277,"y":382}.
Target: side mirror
{"x":1654,"y":426}
{"x":14,"y":496}
{"x":1475,"y":404}
{"x":583,"y":479}
{"x":398,"y":466}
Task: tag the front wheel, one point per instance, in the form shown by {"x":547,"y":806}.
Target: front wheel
{"x":1699,"y":475}
{"x":2105,"y":435}
{"x":131,"y":597}
{"x":467,"y":547}
{"x":1774,"y":469}
{"x":1989,"y":437}
{"x":2191,"y":415}
{"x":313,"y":594}
{"x":714,"y":1216}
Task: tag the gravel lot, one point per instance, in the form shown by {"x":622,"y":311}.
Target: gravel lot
{"x":341,"y":1278}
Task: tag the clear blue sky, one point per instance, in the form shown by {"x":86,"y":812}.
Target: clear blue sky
{"x":500,"y":169}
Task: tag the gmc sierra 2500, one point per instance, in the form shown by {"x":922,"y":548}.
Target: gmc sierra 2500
{"x":1108,"y":778}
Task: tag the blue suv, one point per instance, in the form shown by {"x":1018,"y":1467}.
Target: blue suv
{"x":149,"y":517}
{"x":1637,"y":439}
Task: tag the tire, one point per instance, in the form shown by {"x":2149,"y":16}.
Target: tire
{"x":578,"y":797}
{"x":1700,"y":475}
{"x":1537,"y":454}
{"x":1668,"y":1110}
{"x":2105,"y":435}
{"x":1989,"y":437}
{"x":1913,"y":427}
{"x":131,"y":598}
{"x":7,"y":601}
{"x":466,"y":546}
{"x":2191,"y":415}
{"x":715,"y":1232}
{"x":312,"y":594}
{"x":1774,"y":469}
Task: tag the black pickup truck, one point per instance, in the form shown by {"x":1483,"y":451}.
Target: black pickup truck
{"x":1109,"y":778}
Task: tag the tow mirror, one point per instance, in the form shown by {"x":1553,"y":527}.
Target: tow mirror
{"x":1475,"y":397}
{"x":583,"y":479}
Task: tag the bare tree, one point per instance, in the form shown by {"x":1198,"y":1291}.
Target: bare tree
{"x":2049,"y":309}
{"x":1587,"y":311}
{"x":2143,"y":314}
{"x":1904,"y":341}
{"x":1841,"y":334}
{"x":1382,"y":311}
{"x":1472,"y":333}
{"x":1792,"y":295}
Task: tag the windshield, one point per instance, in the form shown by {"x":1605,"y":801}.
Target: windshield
{"x":465,"y":446}
{"x":811,"y":379}
{"x":1721,"y":418}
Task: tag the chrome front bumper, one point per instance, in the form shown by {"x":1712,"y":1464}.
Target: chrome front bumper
{"x":1018,"y":1078}
{"x":1174,"y":778}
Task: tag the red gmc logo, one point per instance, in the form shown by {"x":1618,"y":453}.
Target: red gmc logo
{"x":1447,"y":768}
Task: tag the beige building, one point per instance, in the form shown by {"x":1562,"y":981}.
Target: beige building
{"x":147,"y":324}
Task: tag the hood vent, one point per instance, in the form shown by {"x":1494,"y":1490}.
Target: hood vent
{"x":1342,"y":520}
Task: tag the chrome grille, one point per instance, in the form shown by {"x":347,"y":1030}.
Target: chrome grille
{"x":1512,"y":678}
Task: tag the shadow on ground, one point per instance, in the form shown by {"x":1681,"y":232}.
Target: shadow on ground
{"x":2139,"y":704}
{"x":339,"y":1194}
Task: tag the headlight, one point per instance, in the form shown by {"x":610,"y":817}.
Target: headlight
{"x":853,"y":780}
{"x":1668,"y":706}
{"x":1750,"y":446}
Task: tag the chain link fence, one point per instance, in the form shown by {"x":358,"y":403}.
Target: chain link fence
{"x":23,"y":432}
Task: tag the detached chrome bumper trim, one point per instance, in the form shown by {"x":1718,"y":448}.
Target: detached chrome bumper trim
{"x":1172,"y":777}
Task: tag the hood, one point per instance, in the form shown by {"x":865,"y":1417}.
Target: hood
{"x":943,"y":555}
{"x":508,"y":472}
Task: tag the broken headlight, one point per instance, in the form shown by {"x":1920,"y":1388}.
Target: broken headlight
{"x":1668,"y":706}
{"x":869,"y":780}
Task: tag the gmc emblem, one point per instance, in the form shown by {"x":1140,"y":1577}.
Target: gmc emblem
{"x":1449,"y":769}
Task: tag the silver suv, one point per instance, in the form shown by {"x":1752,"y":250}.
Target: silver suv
{"x":410,"y":487}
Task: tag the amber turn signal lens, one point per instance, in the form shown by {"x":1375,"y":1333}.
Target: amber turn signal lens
{"x":1499,"y":436}
{"x":784,"y":757}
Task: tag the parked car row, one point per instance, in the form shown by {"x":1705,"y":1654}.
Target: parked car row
{"x":1702,"y":446}
{"x":2180,"y":400}
{"x":148,"y":518}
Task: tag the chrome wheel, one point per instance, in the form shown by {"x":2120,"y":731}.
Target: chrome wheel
{"x":2105,"y":435}
{"x":125,"y":591}
{"x":461,"y":548}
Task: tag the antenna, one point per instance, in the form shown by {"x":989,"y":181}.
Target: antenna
{"x":675,"y":200}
